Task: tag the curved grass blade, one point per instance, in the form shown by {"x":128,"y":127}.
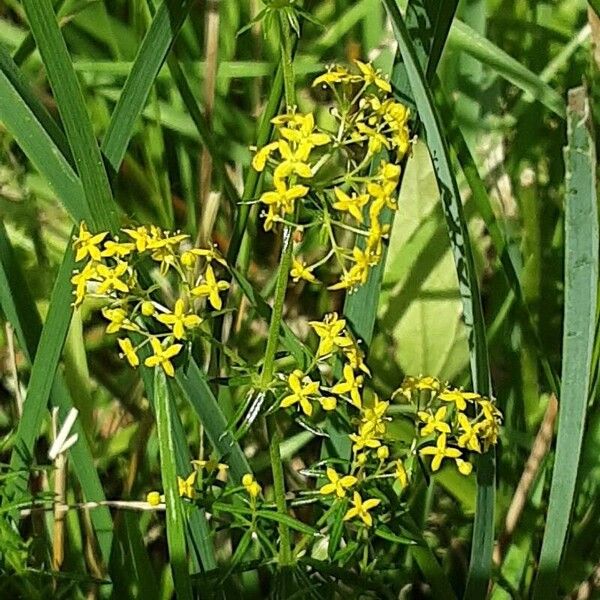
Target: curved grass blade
{"x":463,"y":37}
{"x":39,"y":137}
{"x":168,"y":469}
{"x":581,"y":282}
{"x":74,"y":116}
{"x":483,"y":531}
{"x":152,"y":53}
{"x":45,"y":363}
{"x":20,"y":309}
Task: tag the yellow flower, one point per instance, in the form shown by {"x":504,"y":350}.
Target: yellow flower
{"x":80,"y":280}
{"x":118,"y":320}
{"x":350,"y":279}
{"x":111,"y":278}
{"x":302,"y":389}
{"x":352,"y":204}
{"x":188,"y":258}
{"x":383,"y":194}
{"x":128,"y":351}
{"x":337,"y":485}
{"x":401,"y":474}
{"x":211,"y":465}
{"x":351,"y":385}
{"x":370,"y":76}
{"x":251,"y":486}
{"x":361,"y":509}
{"x":147,"y":308}
{"x":335,"y":74}
{"x":440,"y":451}
{"x":186,"y":486}
{"x":376,"y":415}
{"x":294,"y":161}
{"x":211,"y":288}
{"x":383,"y":453}
{"x":376,"y":139}
{"x":262,"y":154}
{"x":464,"y":466}
{"x":365,"y":438}
{"x":434,"y":422}
{"x":162,"y":356}
{"x":300,"y":271}
{"x":86,"y":244}
{"x":469,"y":438}
{"x":117,"y":248}
{"x":328,"y":402}
{"x":179,"y":321}
{"x":282,"y":197}
{"x":330,"y":332}
{"x":355,"y":357}
{"x":153,"y":498}
{"x":144,"y":238}
{"x":305,"y":132}
{"x":458,"y":397}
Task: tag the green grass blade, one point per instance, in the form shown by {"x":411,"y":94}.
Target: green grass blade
{"x":462,"y":37}
{"x":168,"y":468}
{"x":20,"y":309}
{"x":39,"y":137}
{"x":483,"y":531}
{"x":581,"y":281}
{"x":196,"y":389}
{"x":45,"y":363}
{"x":71,"y":106}
{"x":152,"y":53}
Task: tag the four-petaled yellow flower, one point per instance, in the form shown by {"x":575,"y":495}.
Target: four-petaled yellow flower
{"x":337,"y":484}
{"x":434,"y":422}
{"x":162,"y":356}
{"x":129,"y":351}
{"x":469,"y":437}
{"x":186,"y":486}
{"x":179,"y":321}
{"x":351,"y":204}
{"x":86,"y":243}
{"x":458,"y":397}
{"x":302,"y":389}
{"x":371,"y":75}
{"x":282,"y":197}
{"x":331,"y":334}
{"x":351,"y":385}
{"x":210,"y":288}
{"x":300,"y":271}
{"x":251,"y":486}
{"x":111,"y":278}
{"x":294,"y":161}
{"x":361,"y":509}
{"x":366,"y":437}
{"x":117,"y":248}
{"x":440,"y":451}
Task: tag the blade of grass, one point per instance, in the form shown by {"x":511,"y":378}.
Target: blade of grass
{"x":39,"y":137}
{"x":152,"y":53}
{"x":74,"y":116}
{"x":483,"y":530}
{"x":44,"y":367}
{"x":462,"y":37}
{"x":20,"y":309}
{"x":168,"y":469}
{"x":581,"y":282}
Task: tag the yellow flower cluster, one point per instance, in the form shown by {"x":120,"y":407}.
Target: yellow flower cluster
{"x":345,"y":178}
{"x":110,"y":273}
{"x":333,"y":336}
{"x":455,"y":423}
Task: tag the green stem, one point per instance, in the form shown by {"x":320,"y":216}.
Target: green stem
{"x":285,"y":551}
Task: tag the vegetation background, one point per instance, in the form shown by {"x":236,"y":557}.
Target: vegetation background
{"x":176,"y":93}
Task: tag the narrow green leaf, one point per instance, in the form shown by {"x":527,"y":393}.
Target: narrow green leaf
{"x":152,"y":53}
{"x":463,"y":37}
{"x":71,"y":106}
{"x":581,"y":282}
{"x":168,"y":468}
{"x":20,"y":309}
{"x":483,"y":531}
{"x":39,"y":137}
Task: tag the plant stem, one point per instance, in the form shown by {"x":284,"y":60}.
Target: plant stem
{"x":285,"y":553}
